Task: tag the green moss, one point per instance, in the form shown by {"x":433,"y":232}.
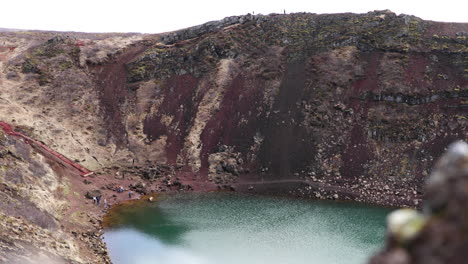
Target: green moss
{"x":64,"y":65}
{"x":30,"y":66}
{"x":66,"y":190}
{"x":137,"y":72}
{"x":77,"y":216}
{"x":43,"y":79}
{"x":48,"y":50}
{"x":75,"y":54}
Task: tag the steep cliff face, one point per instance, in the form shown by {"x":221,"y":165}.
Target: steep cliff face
{"x":345,"y":105}
{"x":364,"y":102}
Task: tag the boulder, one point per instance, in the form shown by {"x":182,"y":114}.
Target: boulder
{"x":139,"y":187}
{"x":231,"y":166}
{"x":93,"y":193}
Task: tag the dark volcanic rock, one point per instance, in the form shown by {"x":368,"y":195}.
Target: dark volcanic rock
{"x":93,"y":193}
{"x":209,"y":27}
{"x":364,"y":102}
{"x":138,"y":187}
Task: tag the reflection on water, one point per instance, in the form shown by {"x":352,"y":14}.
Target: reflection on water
{"x":149,"y":220}
{"x":231,"y":228}
{"x":133,"y":247}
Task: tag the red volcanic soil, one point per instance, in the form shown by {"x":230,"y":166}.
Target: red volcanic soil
{"x":111,"y":79}
{"x":371,"y":81}
{"x":230,"y":125}
{"x":181,"y":101}
{"x":445,"y":29}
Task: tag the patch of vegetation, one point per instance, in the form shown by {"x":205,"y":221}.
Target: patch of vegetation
{"x":64,"y":65}
{"x":66,"y":190}
{"x":137,"y":73}
{"x":45,"y":61}
{"x":74,"y":53}
{"x":43,"y":79}
{"x":30,"y":66}
{"x":77,"y":216}
{"x":48,"y":51}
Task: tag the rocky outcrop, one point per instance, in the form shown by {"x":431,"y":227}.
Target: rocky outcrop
{"x":209,"y":27}
{"x":442,"y":237}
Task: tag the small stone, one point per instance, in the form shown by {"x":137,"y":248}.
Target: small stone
{"x":405,"y":224}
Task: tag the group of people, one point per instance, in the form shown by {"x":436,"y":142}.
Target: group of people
{"x":120,"y":189}
{"x":97,"y":200}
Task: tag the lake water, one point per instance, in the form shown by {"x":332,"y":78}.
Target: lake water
{"x":226,"y":228}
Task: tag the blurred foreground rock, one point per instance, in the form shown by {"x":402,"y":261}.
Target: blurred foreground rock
{"x":444,"y":236}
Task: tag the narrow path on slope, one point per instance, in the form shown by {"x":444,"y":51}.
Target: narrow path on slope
{"x":7,"y":128}
{"x":285,"y":184}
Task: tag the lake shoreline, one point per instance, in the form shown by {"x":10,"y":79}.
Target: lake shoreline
{"x":107,"y":180}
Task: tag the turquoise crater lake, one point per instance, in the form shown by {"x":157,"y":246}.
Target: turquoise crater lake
{"x":225,"y":228}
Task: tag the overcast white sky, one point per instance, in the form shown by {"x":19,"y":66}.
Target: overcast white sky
{"x":166,"y":15}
